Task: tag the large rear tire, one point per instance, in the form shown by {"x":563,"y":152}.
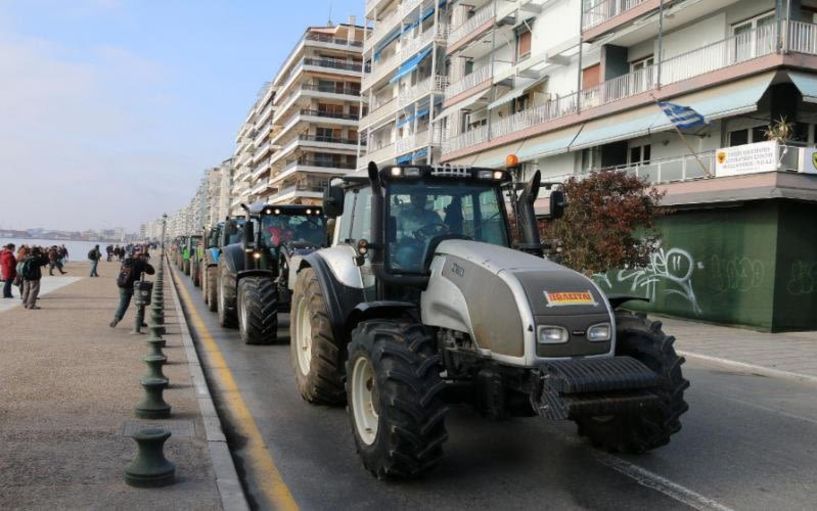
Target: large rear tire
{"x":637,"y":433}
{"x":393,"y":391}
{"x":257,"y":310}
{"x":186,"y":267}
{"x":317,"y":358}
{"x":226,"y":301}
{"x":194,"y":274}
{"x":211,"y":293}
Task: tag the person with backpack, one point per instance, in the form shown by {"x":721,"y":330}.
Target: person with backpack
{"x":131,"y":270}
{"x":54,"y":261}
{"x":94,"y":255}
{"x":32,"y":273}
{"x":8,"y":269}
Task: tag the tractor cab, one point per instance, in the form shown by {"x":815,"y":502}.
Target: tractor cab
{"x":275,"y":230}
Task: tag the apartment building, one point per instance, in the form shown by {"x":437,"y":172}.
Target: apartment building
{"x":303,"y":127}
{"x":403,"y":81}
{"x":571,"y":86}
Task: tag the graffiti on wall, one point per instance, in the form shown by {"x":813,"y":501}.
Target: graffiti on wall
{"x":802,"y":278}
{"x":735,"y":273}
{"x":673,"y":268}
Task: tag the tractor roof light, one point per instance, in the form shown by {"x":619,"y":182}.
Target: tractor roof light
{"x":512,"y":161}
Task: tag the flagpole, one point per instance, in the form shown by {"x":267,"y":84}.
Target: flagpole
{"x":684,"y":140}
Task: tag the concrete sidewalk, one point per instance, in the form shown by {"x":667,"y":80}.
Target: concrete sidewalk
{"x":791,"y":354}
{"x":68,"y":387}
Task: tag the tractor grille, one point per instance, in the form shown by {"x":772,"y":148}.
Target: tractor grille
{"x":580,"y":376}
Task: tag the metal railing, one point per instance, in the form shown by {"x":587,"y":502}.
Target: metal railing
{"x":343,"y":65}
{"x":602,"y":10}
{"x":337,"y":89}
{"x":553,"y":109}
{"x":380,"y":111}
{"x":467,"y":139}
{"x":801,"y":37}
{"x":330,"y":115}
{"x":475,"y":78}
{"x":381,"y":153}
{"x":666,"y":170}
{"x":328,"y":139}
{"x":431,"y":84}
{"x":469,"y":25}
{"x":322,"y":38}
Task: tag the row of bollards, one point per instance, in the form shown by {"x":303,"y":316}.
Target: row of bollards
{"x":150,"y":468}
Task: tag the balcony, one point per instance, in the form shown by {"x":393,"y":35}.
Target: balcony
{"x":381,"y":154}
{"x":801,"y":37}
{"x":337,"y":64}
{"x":458,"y":35}
{"x":382,"y":28}
{"x":329,"y":139}
{"x":379,"y":112}
{"x":432,"y":84}
{"x":666,"y":170}
{"x":602,"y":10}
{"x":295,"y":191}
{"x":322,"y":38}
{"x":467,"y":139}
{"x":329,"y":115}
{"x":469,"y":81}
{"x":412,"y":142}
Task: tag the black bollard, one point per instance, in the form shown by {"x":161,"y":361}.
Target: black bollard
{"x":156,"y":344}
{"x":155,"y":363}
{"x":153,"y":406}
{"x":150,"y":468}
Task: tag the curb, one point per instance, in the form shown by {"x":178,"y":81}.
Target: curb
{"x":765,"y":371}
{"x":229,"y":486}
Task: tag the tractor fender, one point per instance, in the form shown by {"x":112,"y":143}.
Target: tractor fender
{"x":233,"y":256}
{"x":617,"y":301}
{"x":215,"y":254}
{"x":340,"y":298}
{"x":383,"y":309}
{"x":253,"y":273}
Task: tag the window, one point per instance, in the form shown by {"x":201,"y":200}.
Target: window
{"x":753,"y":37}
{"x":469,"y":67}
{"x":642,"y":73}
{"x":639,"y":154}
{"x":279,"y":229}
{"x":420,"y":214}
{"x":523,"y":44}
{"x":522,"y":103}
{"x":738,"y":137}
{"x":590,"y":159}
{"x":362,"y":215}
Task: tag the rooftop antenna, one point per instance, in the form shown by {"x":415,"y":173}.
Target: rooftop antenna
{"x":330,"y":14}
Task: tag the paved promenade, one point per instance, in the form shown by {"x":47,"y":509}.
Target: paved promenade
{"x":68,"y":386}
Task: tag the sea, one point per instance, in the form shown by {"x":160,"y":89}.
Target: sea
{"x":77,"y":250}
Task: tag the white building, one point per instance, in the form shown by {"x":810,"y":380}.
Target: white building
{"x":403,"y":81}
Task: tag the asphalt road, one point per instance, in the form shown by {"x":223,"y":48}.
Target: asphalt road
{"x":748,"y":442}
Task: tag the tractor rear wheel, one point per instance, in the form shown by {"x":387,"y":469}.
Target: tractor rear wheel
{"x":195,"y":275}
{"x":637,"y":433}
{"x":211,"y":288}
{"x":226,"y":301}
{"x":316,"y":357}
{"x":257,"y":310}
{"x":186,"y":267}
{"x":393,"y":390}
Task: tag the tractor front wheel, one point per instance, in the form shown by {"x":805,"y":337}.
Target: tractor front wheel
{"x":639,"y":432}
{"x":393,"y":394}
{"x":211,"y":288}
{"x":257,"y":310}
{"x":226,"y":301}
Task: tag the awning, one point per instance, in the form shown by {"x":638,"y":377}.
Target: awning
{"x":421,"y":153}
{"x":728,"y":100}
{"x":407,"y":119}
{"x":495,"y":158}
{"x":807,"y":84}
{"x":548,"y":144}
{"x":462,"y":105}
{"x":410,"y":65}
{"x":385,"y":42}
{"x":515,"y":93}
{"x":402,"y":160}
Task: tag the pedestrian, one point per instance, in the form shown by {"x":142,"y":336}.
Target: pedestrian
{"x":94,"y":255}
{"x":8,"y":269}
{"x":54,"y":260}
{"x":32,"y":273}
{"x":131,"y":271}
{"x":64,"y":254}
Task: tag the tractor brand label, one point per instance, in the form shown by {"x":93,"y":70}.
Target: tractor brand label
{"x":457,"y":270}
{"x":560,"y":298}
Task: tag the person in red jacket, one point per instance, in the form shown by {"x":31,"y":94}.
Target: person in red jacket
{"x":8,"y":269}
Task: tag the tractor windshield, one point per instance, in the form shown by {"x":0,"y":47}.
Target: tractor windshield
{"x":420,"y":213}
{"x":279,"y":229}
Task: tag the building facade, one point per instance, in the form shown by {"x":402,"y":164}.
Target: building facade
{"x":403,"y":81}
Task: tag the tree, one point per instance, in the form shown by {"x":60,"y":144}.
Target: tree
{"x":609,"y":222}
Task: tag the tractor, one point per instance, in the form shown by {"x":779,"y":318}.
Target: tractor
{"x":224,"y":233}
{"x":427,"y":299}
{"x":254,"y":281}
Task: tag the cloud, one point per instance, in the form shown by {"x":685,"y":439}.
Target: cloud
{"x":79,"y":144}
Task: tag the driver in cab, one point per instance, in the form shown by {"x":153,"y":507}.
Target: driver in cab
{"x":412,"y":220}
{"x":415,"y":216}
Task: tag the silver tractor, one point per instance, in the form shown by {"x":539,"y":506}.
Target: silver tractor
{"x":423,"y":300}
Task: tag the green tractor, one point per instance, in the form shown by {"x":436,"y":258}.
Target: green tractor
{"x":424,"y":300}
{"x":254,"y":281}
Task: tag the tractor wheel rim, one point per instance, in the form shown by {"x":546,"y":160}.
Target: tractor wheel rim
{"x":303,"y":341}
{"x":243,"y":317}
{"x":363,"y":400}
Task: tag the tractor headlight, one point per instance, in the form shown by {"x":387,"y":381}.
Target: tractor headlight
{"x":548,"y":334}
{"x":599,"y":333}
{"x":257,"y":255}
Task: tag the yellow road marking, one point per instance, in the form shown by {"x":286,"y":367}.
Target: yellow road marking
{"x":261,"y":463}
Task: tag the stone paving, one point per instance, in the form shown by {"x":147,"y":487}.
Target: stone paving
{"x":68,"y":386}
{"x":791,"y":352}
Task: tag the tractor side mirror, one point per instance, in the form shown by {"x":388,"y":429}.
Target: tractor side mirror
{"x":333,"y":201}
{"x":557,"y":204}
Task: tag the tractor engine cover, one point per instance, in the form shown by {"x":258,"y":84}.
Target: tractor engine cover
{"x":503,"y":298}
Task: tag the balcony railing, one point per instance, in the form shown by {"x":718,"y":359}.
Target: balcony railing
{"x":467,"y":139}
{"x":330,"y":115}
{"x":328,"y":139}
{"x":665,"y":170}
{"x":322,"y":38}
{"x":432,"y":84}
{"x":553,"y":109}
{"x":343,"y":65}
{"x":383,"y":27}
{"x":475,"y":78}
{"x":380,"y":112}
{"x":602,"y":10}
{"x":346,"y":91}
{"x":384,"y":152}
{"x":480,"y":17}
{"x":324,"y":164}
{"x":294,"y":189}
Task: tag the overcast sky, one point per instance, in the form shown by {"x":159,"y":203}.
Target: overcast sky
{"x":110,"y":110}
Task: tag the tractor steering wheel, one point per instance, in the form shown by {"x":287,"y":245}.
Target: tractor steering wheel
{"x":430,"y":231}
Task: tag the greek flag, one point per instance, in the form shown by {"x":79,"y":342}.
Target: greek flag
{"x":682,"y":117}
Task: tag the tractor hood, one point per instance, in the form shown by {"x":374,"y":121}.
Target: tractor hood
{"x":501,"y":297}
{"x":549,"y":287}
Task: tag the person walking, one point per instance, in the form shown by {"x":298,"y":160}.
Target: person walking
{"x":8,"y":269}
{"x":94,"y":256}
{"x":32,"y":273}
{"x":131,"y":271}
{"x":109,"y":252}
{"x":54,"y":261}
